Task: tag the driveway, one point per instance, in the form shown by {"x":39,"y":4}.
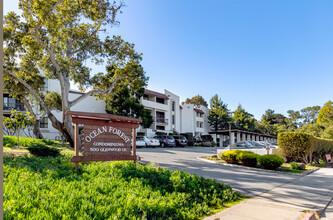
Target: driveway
{"x":245,"y":181}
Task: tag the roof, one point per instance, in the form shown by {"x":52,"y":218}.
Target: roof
{"x":226,"y":132}
{"x":157,"y":94}
{"x":102,"y":116}
{"x":199,"y":111}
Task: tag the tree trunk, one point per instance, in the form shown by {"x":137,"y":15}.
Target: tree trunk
{"x":18,"y":138}
{"x":35,"y":123}
{"x":36,"y":130}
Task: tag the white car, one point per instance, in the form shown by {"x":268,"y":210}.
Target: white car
{"x":151,"y":142}
{"x":140,"y":142}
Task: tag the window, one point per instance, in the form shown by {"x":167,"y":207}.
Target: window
{"x":44,"y":123}
{"x":160,"y":128}
{"x":173,"y":119}
{"x":159,"y":100}
{"x":173,"y":106}
{"x":12,"y":104}
{"x":145,"y":97}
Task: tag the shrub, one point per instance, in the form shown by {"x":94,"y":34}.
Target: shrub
{"x":11,"y":141}
{"x":41,"y":150}
{"x":294,"y":146}
{"x":302,"y":166}
{"x":294,"y":166}
{"x":297,"y":146}
{"x":248,"y":158}
{"x":230,"y":156}
{"x":270,"y":161}
{"x":207,"y":144}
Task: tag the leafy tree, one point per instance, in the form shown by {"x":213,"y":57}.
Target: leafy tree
{"x":18,"y":121}
{"x":54,"y":39}
{"x":197,"y":101}
{"x":243,"y":120}
{"x":293,"y":120}
{"x":313,"y":129}
{"x":123,"y":103}
{"x":272,"y":123}
{"x":325,"y":114}
{"x":310,"y":114}
{"x":219,"y":114}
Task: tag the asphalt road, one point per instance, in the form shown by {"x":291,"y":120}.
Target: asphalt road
{"x":245,"y":181}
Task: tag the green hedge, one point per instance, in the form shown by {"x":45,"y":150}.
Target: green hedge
{"x":270,"y":161}
{"x":297,"y":146}
{"x":41,"y":150}
{"x":248,"y":158}
{"x":230,"y":156}
{"x":11,"y":141}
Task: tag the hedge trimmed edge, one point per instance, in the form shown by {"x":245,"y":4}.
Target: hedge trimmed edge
{"x":297,"y":146}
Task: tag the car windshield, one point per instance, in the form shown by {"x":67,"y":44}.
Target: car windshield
{"x":256,"y":143}
{"x":139,"y":138}
{"x":182,"y":138}
{"x":169,"y":137}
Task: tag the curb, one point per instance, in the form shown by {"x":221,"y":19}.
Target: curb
{"x":258,"y":169}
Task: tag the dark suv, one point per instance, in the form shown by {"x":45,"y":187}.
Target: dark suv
{"x":166,"y":140}
{"x":180,"y":140}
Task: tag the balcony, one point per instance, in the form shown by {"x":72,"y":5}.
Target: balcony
{"x":16,"y":106}
{"x":161,"y":120}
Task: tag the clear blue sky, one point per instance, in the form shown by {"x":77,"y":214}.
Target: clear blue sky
{"x":262,"y":54}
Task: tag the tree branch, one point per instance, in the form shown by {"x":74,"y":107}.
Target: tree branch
{"x":69,"y":50}
{"x":50,"y":50}
{"x":94,"y":92}
{"x":31,"y":90}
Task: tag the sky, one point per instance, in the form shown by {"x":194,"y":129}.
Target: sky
{"x":262,"y":54}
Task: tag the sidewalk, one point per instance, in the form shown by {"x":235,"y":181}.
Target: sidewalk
{"x":288,"y":201}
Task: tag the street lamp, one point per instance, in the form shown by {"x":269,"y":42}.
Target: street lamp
{"x":229,"y":122}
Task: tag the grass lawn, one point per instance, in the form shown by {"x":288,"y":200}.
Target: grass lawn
{"x":50,"y":188}
{"x":283,"y":168}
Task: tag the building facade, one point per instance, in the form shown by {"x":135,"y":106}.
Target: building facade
{"x":194,"y":119}
{"x":168,"y":113}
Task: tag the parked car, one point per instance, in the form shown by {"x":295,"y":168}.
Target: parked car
{"x":257,"y":144}
{"x":197,"y":139}
{"x":151,"y":142}
{"x":140,"y":142}
{"x":166,"y":140}
{"x":180,"y":140}
{"x":246,"y":145}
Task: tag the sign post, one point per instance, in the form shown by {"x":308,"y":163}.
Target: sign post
{"x":104,"y":137}
{"x":268,"y":148}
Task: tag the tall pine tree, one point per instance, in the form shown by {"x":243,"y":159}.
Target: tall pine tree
{"x":219,"y":115}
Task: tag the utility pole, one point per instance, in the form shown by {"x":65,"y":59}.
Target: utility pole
{"x":229,"y":122}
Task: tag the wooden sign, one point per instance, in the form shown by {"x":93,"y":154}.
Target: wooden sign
{"x":104,"y":137}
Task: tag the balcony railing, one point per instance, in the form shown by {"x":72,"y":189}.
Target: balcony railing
{"x":161,"y":120}
{"x":17,"y":106}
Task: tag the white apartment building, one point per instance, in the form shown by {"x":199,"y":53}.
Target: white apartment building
{"x":169,"y":116}
{"x":165,"y":110}
{"x":194,"y":119}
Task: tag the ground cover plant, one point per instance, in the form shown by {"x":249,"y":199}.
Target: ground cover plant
{"x":50,"y":188}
